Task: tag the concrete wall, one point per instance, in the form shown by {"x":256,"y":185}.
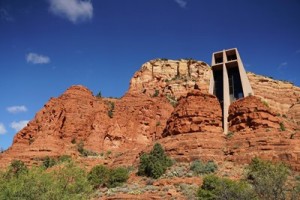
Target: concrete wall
{"x":247,"y":90}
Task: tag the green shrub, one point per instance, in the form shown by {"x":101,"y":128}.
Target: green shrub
{"x":268,"y":179}
{"x":84,"y":152}
{"x":154,"y":164}
{"x":172,"y":100}
{"x":30,"y":185}
{"x":295,"y":193}
{"x":110,"y":113}
{"x":156,"y":93}
{"x":102,"y":176}
{"x":49,"y":162}
{"x":215,"y":188}
{"x":99,"y":95}
{"x":64,"y":158}
{"x":73,"y":141}
{"x":117,"y":176}
{"x":111,"y":108}
{"x":98,"y":176}
{"x":68,"y":182}
{"x":282,"y":127}
{"x":229,"y":134}
{"x":199,"y":167}
{"x":16,"y":168}
{"x":265,"y":103}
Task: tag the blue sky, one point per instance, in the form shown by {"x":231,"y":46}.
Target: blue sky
{"x":48,"y":45}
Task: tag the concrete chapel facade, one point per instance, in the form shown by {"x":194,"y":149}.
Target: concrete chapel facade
{"x":229,"y":80}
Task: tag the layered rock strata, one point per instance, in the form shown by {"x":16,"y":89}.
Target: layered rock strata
{"x":120,"y":129}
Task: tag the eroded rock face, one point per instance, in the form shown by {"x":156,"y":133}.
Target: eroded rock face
{"x":194,"y":130}
{"x":280,"y":95}
{"x":171,"y":77}
{"x":145,"y":115}
{"x":197,"y":145}
{"x":275,"y":145}
{"x":256,"y":131}
{"x":294,"y":113}
{"x":77,"y":116}
{"x":251,"y":113}
{"x":197,"y":112}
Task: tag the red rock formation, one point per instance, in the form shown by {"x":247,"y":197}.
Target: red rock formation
{"x":280,"y":95}
{"x":195,"y":128}
{"x":197,"y":112}
{"x":294,"y":113}
{"x":79,"y":116}
{"x":127,"y":126}
{"x":192,"y":146}
{"x":171,"y":77}
{"x":251,"y":113}
{"x":256,"y":131}
{"x":270,"y":145}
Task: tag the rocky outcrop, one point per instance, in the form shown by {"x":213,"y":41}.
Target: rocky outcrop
{"x":120,"y":129}
{"x":256,"y":131}
{"x":275,"y":145}
{"x":175,"y":78}
{"x":251,"y":113}
{"x":77,"y":115}
{"x":171,"y":77}
{"x":198,"y":145}
{"x":294,"y":113}
{"x":194,"y":130}
{"x":279,"y":95}
{"x":197,"y":112}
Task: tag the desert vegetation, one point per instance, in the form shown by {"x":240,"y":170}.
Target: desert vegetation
{"x":63,"y":178}
{"x":57,"y":179}
{"x":264,"y":180}
{"x":155,"y":163}
{"x":111,"y":109}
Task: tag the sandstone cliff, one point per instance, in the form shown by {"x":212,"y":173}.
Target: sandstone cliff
{"x":167,"y":102}
{"x":171,"y":77}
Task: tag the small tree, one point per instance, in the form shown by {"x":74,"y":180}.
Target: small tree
{"x":268,"y":179}
{"x":98,"y":176}
{"x":48,"y":162}
{"x":199,"y":167}
{"x":117,"y":176}
{"x":102,"y":176}
{"x":99,"y":94}
{"x":215,"y":188}
{"x":16,"y":168}
{"x":155,"y":163}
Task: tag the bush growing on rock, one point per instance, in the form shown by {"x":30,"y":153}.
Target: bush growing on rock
{"x":16,"y":168}
{"x":49,"y":162}
{"x":102,"y":176}
{"x":98,"y":175}
{"x":199,"y":167}
{"x":84,"y":152}
{"x":117,"y":177}
{"x":216,"y":188}
{"x":268,"y":179}
{"x":155,"y":163}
